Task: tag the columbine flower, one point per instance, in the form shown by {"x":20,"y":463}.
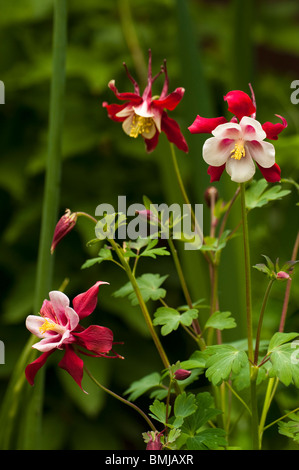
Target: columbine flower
{"x":145,"y":115}
{"x":58,"y":327}
{"x":64,"y":225}
{"x":237,"y":145}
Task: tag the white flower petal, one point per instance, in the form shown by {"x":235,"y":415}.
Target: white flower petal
{"x":262,"y":152}
{"x":47,"y":344}
{"x":127,"y":124}
{"x":73,"y":318}
{"x":33,"y":324}
{"x":215,"y":152}
{"x":229,"y":130}
{"x":241,"y":170}
{"x":127,"y":111}
{"x":59,"y":303}
{"x":252,"y":129}
{"x":143,"y":110}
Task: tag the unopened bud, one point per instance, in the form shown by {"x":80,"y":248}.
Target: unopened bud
{"x":282,"y":275}
{"x":211,"y":195}
{"x":154,"y":442}
{"x":182,"y":374}
{"x":63,"y":226}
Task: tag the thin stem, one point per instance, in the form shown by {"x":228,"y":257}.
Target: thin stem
{"x":259,"y":328}
{"x":225,"y":217}
{"x":271,"y":388}
{"x":123,"y":400}
{"x":253,"y":369}
{"x":288,"y":288}
{"x":185,"y":196}
{"x":238,"y":397}
{"x":142,"y":304}
{"x":282,"y":417}
{"x":247,"y":272}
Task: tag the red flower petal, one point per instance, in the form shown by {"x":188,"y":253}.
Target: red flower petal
{"x":97,"y":339}
{"x":215,"y":172}
{"x":171,"y":101}
{"x":239,"y":103}
{"x":173,"y":132}
{"x":203,"y":125}
{"x":272,"y":174}
{"x":64,"y":225}
{"x":85,"y":303}
{"x":113,"y":109}
{"x":132,"y":97}
{"x":272,"y":130}
{"x":32,"y":369}
{"x":73,"y":364}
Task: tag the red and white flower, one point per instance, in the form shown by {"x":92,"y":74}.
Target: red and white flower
{"x":145,"y":115}
{"x":58,"y":328}
{"x":239,"y":144}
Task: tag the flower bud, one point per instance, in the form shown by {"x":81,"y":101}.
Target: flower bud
{"x":63,"y":226}
{"x":182,"y":374}
{"x":282,"y":275}
{"x":154,"y":442}
{"x":211,"y":195}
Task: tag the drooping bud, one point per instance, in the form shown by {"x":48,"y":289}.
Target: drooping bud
{"x":153,"y":441}
{"x":182,"y":374}
{"x":63,"y":226}
{"x":211,"y":196}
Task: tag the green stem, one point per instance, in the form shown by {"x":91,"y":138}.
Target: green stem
{"x":238,"y":397}
{"x":288,"y":288}
{"x":123,"y":400}
{"x":247,"y":272}
{"x":271,"y":388}
{"x":142,"y":304}
{"x":282,"y":417}
{"x":253,"y":369}
{"x":259,"y":328}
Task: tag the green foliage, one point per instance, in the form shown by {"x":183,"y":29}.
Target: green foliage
{"x":171,"y":319}
{"x":283,"y":357}
{"x":139,"y":387}
{"x":258,"y":194}
{"x":149,"y":285}
{"x":222,"y":360}
{"x":221,"y":321}
{"x":290,"y":428}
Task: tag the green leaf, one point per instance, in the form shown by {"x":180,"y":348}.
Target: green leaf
{"x":204,"y":413}
{"x":280,"y":338}
{"x":171,"y":319}
{"x":257,"y":194}
{"x":149,"y":285}
{"x":221,"y":321}
{"x":196,"y":361}
{"x":208,"y":439}
{"x":184,"y":406}
{"x":158,"y":411}
{"x":139,"y":387}
{"x":285,"y":363}
{"x":222,"y":360}
{"x":103,"y":255}
{"x":290,"y":428}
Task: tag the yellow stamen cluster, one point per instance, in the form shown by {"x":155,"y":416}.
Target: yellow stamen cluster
{"x":239,"y":151}
{"x":140,"y":125}
{"x":47,"y":325}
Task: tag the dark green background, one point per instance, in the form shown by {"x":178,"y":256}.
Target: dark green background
{"x":211,"y":47}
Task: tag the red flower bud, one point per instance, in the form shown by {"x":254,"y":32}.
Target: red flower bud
{"x":63,"y":226}
{"x":182,"y":374}
{"x":282,"y":275}
{"x":154,"y":443}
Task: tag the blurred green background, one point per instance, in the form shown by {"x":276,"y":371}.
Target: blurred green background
{"x":211,"y":47}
